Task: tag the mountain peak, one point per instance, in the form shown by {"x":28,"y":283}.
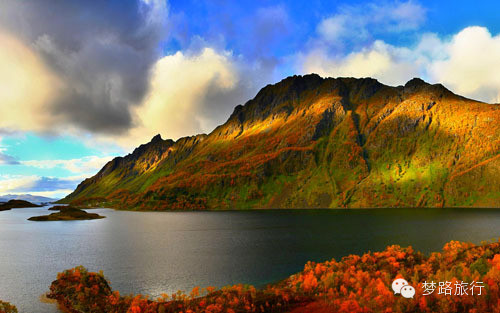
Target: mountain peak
{"x":419,"y":85}
{"x":156,"y":138}
{"x":416,"y":82}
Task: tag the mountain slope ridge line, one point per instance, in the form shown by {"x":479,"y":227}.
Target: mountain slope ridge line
{"x":313,"y":142}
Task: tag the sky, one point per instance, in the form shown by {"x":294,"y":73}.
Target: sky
{"x":82,"y":82}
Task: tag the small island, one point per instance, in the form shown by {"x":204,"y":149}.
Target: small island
{"x":14,"y":204}
{"x":66,"y":213}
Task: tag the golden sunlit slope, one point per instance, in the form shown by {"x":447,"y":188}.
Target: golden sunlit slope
{"x":313,"y":142}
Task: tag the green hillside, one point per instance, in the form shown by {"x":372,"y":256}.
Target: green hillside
{"x":308,"y":142}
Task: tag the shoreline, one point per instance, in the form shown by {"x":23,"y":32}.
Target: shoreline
{"x":295,"y":209}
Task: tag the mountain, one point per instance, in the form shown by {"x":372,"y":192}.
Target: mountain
{"x":308,"y":142}
{"x":26,"y":197}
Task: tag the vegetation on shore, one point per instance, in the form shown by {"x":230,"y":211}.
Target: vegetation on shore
{"x":13,"y":204}
{"x":6,"y":307}
{"x":66,"y":213}
{"x":354,"y":284}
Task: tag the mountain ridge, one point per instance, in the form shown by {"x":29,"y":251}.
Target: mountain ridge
{"x":309,"y":141}
{"x":26,"y":197}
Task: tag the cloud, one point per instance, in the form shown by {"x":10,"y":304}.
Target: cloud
{"x":100,"y":77}
{"x":193,"y":92}
{"x":36,"y":185}
{"x":99,"y":73}
{"x":55,"y":194}
{"x":101,"y":54}
{"x":178,"y":84}
{"x":466,"y":62}
{"x":14,"y":183}
{"x":346,"y":43}
{"x":51,"y":184}
{"x":86,"y":165}
{"x":7,"y":159}
{"x":23,"y":99}
{"x":389,"y":64}
{"x":471,"y":64}
{"x":355,"y":24}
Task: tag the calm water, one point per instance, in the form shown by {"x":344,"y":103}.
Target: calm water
{"x":152,"y":253}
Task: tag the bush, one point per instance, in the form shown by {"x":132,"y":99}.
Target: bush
{"x":355,"y":284}
{"x":77,"y":290}
{"x":6,"y":307}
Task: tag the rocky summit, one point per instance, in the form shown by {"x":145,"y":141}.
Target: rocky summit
{"x":312,"y":142}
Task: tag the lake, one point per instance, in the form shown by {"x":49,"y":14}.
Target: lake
{"x":162,"y":252}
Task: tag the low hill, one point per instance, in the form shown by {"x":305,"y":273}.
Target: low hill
{"x":13,"y":204}
{"x":66,"y":213}
{"x":316,"y":142}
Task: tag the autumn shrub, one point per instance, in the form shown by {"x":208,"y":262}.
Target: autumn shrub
{"x":354,"y":284}
{"x":6,"y":307}
{"x":363,"y":283}
{"x":77,"y":290}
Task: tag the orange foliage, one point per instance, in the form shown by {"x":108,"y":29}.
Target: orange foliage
{"x":355,"y":284}
{"x":6,"y":307}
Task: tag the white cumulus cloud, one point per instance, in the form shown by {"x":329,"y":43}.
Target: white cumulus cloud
{"x":26,"y":87}
{"x":382,"y":61}
{"x":466,"y":62}
{"x":179,"y":82}
{"x":193,"y":92}
{"x":10,"y":183}
{"x":38,"y":185}
{"x":85,"y":165}
{"x":471,"y":64}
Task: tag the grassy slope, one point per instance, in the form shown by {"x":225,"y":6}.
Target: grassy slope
{"x":313,"y":142}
